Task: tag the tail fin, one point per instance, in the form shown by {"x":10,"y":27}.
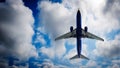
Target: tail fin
{"x":81,"y":56}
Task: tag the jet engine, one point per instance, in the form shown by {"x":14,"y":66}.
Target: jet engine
{"x":86,"y":28}
{"x":71,"y":28}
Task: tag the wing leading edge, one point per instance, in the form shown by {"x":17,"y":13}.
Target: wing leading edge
{"x":91,"y":36}
{"x":84,"y":34}
{"x":67,"y":35}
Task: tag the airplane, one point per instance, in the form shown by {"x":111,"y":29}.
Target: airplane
{"x":79,"y":33}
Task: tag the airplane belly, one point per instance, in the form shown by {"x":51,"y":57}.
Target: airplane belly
{"x":78,"y":33}
{"x":79,"y":46}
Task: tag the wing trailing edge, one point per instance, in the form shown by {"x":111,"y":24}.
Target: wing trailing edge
{"x":67,"y":35}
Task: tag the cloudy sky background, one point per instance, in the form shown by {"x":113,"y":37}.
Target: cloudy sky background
{"x":28,"y":30}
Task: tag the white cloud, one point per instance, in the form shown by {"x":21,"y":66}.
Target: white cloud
{"x":92,"y":64}
{"x":73,"y":52}
{"x":48,"y":64}
{"x":39,"y":36}
{"x":56,"y":49}
{"x":108,"y":48}
{"x":117,"y":61}
{"x":40,"y":39}
{"x":53,"y":16}
{"x":115,"y":66}
{"x":16,"y":30}
{"x":48,"y":51}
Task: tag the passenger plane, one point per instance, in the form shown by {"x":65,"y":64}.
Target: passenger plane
{"x":79,"y":33}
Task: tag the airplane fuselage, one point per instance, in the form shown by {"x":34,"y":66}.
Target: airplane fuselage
{"x":78,"y":32}
{"x":78,"y":24}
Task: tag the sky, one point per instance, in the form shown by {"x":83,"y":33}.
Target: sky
{"x":28,"y":29}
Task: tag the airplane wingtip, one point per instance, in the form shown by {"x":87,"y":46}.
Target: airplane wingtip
{"x":55,"y":39}
{"x":102,"y":39}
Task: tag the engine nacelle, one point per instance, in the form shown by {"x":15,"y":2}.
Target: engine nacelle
{"x":71,"y":28}
{"x":86,"y":28}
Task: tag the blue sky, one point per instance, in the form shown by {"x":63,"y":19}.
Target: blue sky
{"x":28,"y":30}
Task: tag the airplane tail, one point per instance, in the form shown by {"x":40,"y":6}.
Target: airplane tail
{"x":81,"y":56}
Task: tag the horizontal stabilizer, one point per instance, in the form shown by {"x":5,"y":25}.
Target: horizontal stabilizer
{"x":81,"y":56}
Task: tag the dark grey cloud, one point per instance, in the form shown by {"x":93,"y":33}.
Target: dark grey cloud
{"x":6,"y":18}
{"x":112,"y":6}
{"x":3,"y":63}
{"x":16,"y":30}
{"x":49,"y":64}
{"x":109,"y":48}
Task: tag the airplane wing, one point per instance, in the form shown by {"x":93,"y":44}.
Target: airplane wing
{"x":73,"y":34}
{"x":67,"y":35}
{"x":81,"y":56}
{"x":92,"y":36}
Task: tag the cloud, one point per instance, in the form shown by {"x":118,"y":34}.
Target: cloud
{"x":92,"y":64}
{"x":116,"y":61}
{"x":3,"y":63}
{"x":115,"y":66}
{"x":48,"y":51}
{"x":113,"y":8}
{"x":56,"y":49}
{"x":52,"y":17}
{"x":16,"y":30}
{"x":40,"y":39}
{"x":73,"y":52}
{"x":109,"y":48}
{"x":48,"y":64}
{"x":20,"y":66}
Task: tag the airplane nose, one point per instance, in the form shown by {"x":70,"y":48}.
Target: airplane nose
{"x":78,"y":12}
